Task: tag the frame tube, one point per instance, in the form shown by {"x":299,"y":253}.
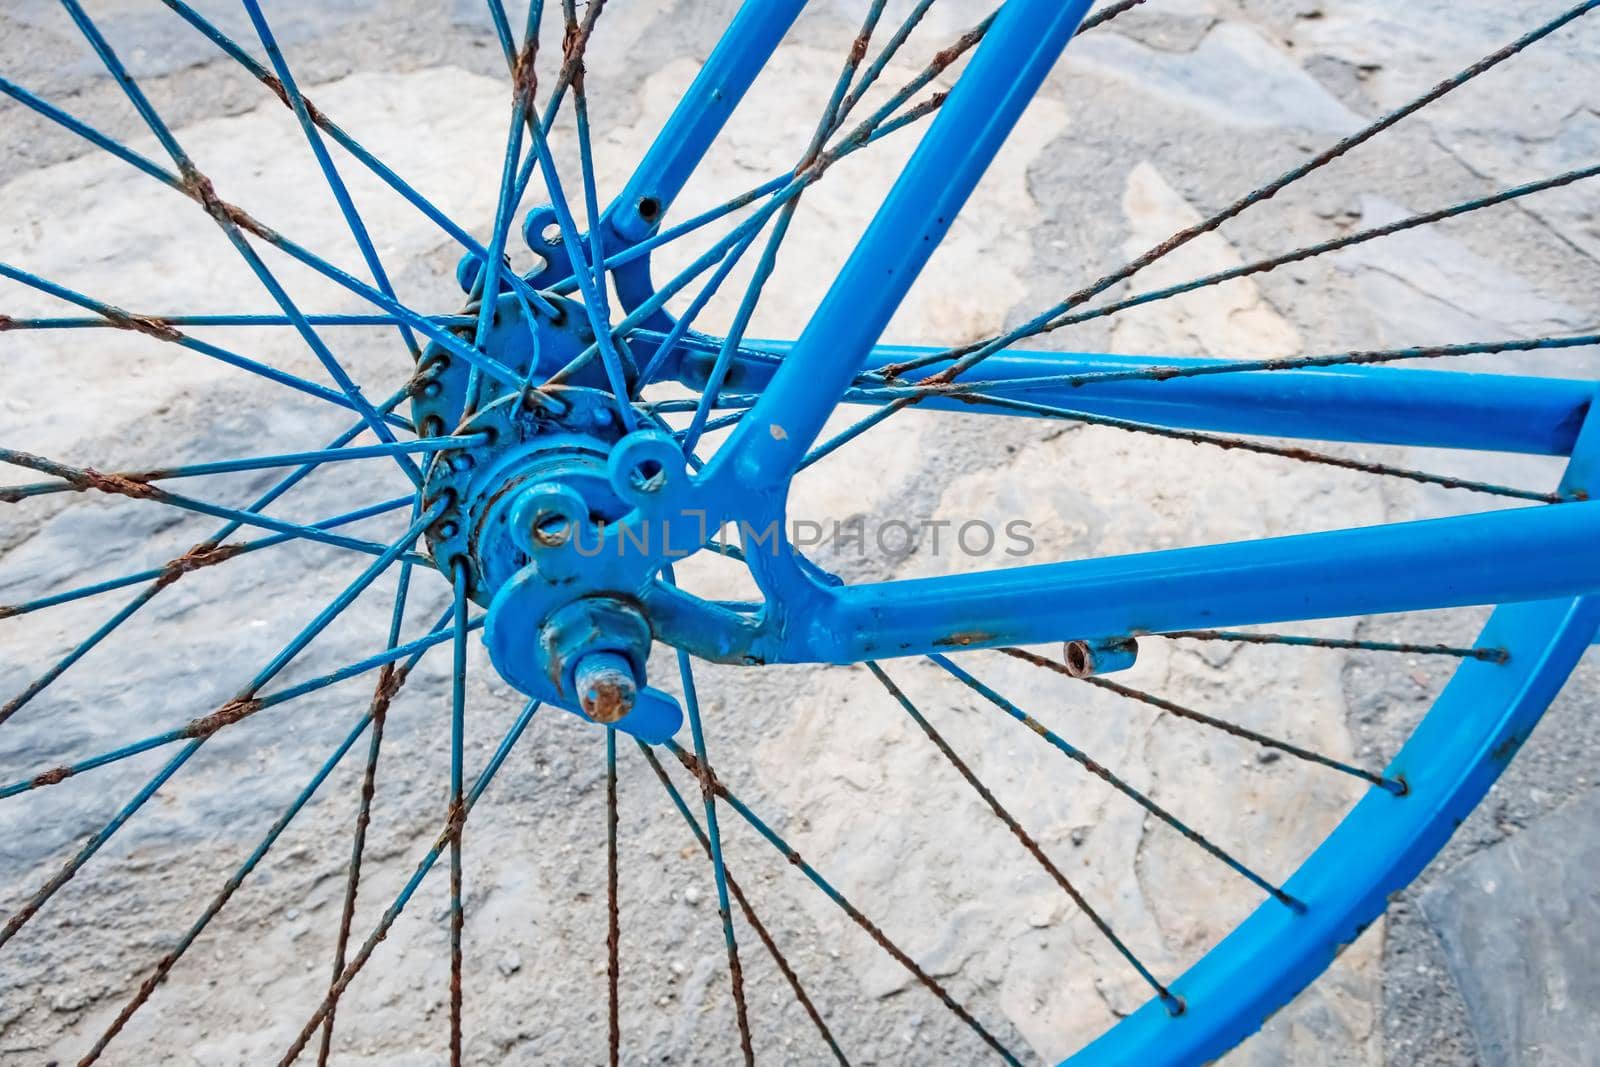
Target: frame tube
{"x":1002,"y":77}
{"x":1365,"y":404}
{"x":1432,"y":563}
{"x":729,"y":71}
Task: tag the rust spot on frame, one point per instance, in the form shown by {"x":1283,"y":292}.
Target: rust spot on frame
{"x":965,"y":638}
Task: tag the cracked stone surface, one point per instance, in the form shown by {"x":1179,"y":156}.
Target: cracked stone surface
{"x":1517,"y":922}
{"x":1147,"y":126}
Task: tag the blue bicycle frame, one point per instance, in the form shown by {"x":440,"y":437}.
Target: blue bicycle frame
{"x":1383,"y":569}
{"x":508,"y":496}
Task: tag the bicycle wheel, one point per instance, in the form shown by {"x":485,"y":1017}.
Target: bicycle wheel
{"x":614,"y":476}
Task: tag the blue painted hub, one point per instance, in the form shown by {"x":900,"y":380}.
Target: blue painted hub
{"x":526,"y":510}
{"x":524,"y":338}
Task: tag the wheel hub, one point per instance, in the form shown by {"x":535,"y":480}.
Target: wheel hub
{"x":526,"y":507}
{"x":536,"y":478}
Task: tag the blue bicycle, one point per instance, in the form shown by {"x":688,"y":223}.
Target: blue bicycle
{"x":568,"y":445}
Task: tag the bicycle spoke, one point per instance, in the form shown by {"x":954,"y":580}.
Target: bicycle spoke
{"x":10,"y":494}
{"x":487,"y":284}
{"x":206,"y":196}
{"x":502,"y":29}
{"x":199,"y":731}
{"x":243,"y":220}
{"x":1081,"y":758}
{"x":1263,"y":266}
{"x":341,"y":193}
{"x":783,"y":186}
{"x":117,"y":318}
{"x":1357,"y":357}
{"x":388,"y":685}
{"x":41,"y":106}
{"x":1173,"y":1004}
{"x":220,"y":900}
{"x":868,"y":132}
{"x":971,"y":355}
{"x":719,"y":872}
{"x":744,"y":905}
{"x":590,"y":281}
{"x":198,"y":557}
{"x":1490,"y":655}
{"x":88,"y":478}
{"x":351,"y":145}
{"x":577,"y":40}
{"x":613,"y":915}
{"x":573,"y":47}
{"x":436,"y":636}
{"x":741,"y":235}
{"x":889,"y":50}
{"x":454,"y":816}
{"x":1302,"y":455}
{"x":1393,"y":785}
{"x":719,"y":370}
{"x":832,"y":115}
{"x":704,"y":773}
{"x":451,"y":830}
{"x":640,"y":249}
{"x":682,"y":323}
{"x":39,"y":684}
{"x":785,"y":190}
{"x":238,"y":319}
{"x":210,"y":725}
{"x":70,"y":869}
{"x":235,"y":710}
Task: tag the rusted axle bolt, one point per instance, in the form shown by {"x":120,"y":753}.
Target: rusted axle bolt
{"x":606,"y":686}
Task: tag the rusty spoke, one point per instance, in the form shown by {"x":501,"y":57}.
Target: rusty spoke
{"x":455,"y":814}
{"x":232,"y":49}
{"x":200,"y":188}
{"x":388,"y":685}
{"x":970,"y":355}
{"x":1357,"y":357}
{"x":708,"y":796}
{"x":450,"y":831}
{"x":243,"y":704}
{"x":1222,"y":441}
{"x":832,"y":116}
{"x":883,"y":122}
{"x":613,"y":915}
{"x":1393,"y":785}
{"x":750,"y":915}
{"x":87,"y":479}
{"x":1116,"y":782}
{"x":393,"y":679}
{"x":1264,"y":266}
{"x":704,"y":773}
{"x":1487,"y":654}
{"x":1173,"y":1004}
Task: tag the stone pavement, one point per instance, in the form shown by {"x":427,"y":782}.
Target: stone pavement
{"x":1517,"y":922}
{"x":1150,"y":124}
